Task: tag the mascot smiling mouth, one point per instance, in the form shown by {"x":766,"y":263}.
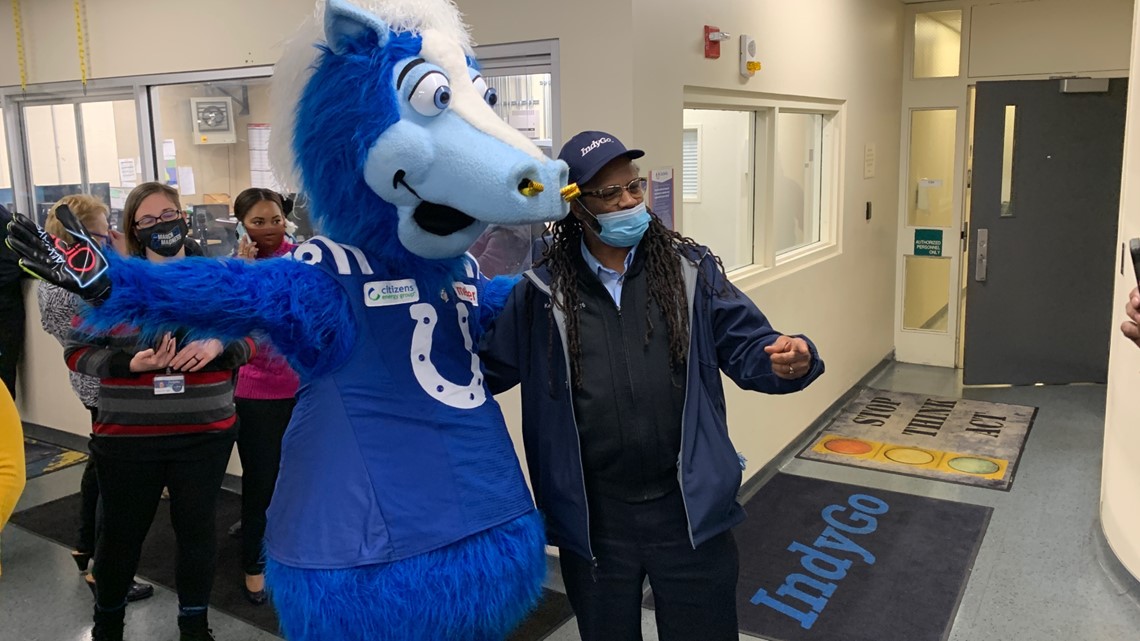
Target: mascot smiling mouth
{"x":434,"y":218}
{"x":440,"y":220}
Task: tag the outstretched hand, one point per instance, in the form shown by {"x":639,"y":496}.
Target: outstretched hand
{"x":79,"y":267}
{"x":791,"y":357}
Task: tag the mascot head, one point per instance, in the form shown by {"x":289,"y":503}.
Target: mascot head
{"x":386,"y":125}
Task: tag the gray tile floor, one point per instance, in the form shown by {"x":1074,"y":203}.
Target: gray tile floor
{"x":1041,"y":573}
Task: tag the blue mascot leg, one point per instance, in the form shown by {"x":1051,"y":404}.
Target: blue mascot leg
{"x":477,"y":589}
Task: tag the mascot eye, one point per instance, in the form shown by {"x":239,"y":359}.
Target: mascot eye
{"x":431,"y":95}
{"x":489,"y":94}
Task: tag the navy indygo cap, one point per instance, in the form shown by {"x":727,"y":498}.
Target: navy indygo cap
{"x":589,"y":151}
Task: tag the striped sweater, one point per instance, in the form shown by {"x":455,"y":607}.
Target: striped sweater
{"x":129,"y":407}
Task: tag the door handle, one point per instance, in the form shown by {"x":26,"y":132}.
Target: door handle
{"x":983,"y":236}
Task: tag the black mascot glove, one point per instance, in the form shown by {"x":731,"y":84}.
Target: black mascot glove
{"x":80,"y":267}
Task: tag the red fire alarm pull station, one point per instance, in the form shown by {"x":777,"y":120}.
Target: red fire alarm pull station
{"x":713,"y":37}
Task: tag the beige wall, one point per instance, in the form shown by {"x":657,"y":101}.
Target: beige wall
{"x":849,"y":50}
{"x":594,"y":80}
{"x":136,"y":37}
{"x":1049,"y":36}
{"x":1120,"y":475}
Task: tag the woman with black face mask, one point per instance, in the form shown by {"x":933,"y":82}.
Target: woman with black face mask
{"x":160,"y":232}
{"x":266,"y":391}
{"x":165,"y":418}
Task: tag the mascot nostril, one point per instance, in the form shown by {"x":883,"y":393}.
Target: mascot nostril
{"x":530,"y":188}
{"x":400,"y":511}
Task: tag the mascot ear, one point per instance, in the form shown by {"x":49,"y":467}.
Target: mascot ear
{"x":345,"y":23}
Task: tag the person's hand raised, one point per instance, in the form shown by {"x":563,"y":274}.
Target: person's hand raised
{"x":791,"y":357}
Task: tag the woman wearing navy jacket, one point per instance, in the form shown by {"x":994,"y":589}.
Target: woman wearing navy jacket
{"x":618,"y":339}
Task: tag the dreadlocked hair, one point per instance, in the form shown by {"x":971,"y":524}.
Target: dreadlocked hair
{"x":665,"y":280}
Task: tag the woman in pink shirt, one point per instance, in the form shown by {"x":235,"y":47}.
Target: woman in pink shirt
{"x":265,"y":395}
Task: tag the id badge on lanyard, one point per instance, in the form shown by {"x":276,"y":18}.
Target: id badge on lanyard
{"x":169,"y":384}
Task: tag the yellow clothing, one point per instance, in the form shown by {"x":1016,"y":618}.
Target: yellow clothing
{"x":12,"y":470}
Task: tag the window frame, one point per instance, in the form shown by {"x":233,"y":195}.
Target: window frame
{"x":767,"y":264}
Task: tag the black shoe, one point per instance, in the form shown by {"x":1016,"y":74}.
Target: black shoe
{"x":82,"y":559}
{"x":194,"y":628}
{"x":256,"y":598}
{"x":139,"y":591}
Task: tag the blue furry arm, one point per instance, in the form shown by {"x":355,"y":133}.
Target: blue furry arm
{"x":302,"y":309}
{"x":493,"y":294}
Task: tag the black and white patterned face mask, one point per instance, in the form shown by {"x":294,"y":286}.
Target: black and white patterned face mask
{"x":164,"y":239}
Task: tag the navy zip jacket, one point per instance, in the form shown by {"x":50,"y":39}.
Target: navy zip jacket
{"x":727,"y":334}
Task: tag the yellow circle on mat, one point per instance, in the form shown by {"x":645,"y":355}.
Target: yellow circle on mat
{"x":847,"y":446}
{"x":972,"y":465}
{"x":909,"y":456}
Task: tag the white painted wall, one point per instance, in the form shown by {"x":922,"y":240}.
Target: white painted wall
{"x":1120,"y":476}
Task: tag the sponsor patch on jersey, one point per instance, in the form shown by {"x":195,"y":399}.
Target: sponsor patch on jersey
{"x":467,"y":293}
{"x":380,"y":293}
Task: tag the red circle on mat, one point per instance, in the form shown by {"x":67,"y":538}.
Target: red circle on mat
{"x":847,"y":446}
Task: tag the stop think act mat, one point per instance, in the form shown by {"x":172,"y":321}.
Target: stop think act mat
{"x":955,"y":440}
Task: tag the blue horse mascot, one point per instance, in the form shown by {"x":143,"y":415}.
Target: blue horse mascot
{"x":400,"y":511}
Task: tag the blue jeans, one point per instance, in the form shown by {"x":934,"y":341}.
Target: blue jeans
{"x":694,"y":591}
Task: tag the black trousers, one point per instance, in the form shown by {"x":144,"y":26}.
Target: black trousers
{"x":694,"y":590}
{"x":11,"y":342}
{"x":88,"y":502}
{"x":263,"y":424}
{"x":129,"y":492}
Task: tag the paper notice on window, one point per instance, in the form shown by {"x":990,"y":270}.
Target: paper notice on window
{"x":128,"y":173}
{"x":186,"y":181}
{"x":260,"y":171}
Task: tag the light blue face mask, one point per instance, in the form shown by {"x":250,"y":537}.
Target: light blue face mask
{"x":623,"y":228}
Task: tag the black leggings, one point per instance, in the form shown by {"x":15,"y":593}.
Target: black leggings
{"x":89,"y":502}
{"x":262,"y":425}
{"x":129,"y":492}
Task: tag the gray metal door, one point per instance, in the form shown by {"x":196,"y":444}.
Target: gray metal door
{"x":1040,"y":276}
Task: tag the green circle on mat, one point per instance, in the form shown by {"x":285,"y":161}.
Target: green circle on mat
{"x":909,"y":456}
{"x":971,"y":465}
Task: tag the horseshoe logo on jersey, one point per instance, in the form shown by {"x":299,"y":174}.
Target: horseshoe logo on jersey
{"x":465,"y":397}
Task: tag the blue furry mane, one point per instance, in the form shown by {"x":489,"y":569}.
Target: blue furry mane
{"x":349,"y":101}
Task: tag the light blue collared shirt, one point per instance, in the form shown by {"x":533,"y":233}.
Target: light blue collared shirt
{"x":611,"y":280}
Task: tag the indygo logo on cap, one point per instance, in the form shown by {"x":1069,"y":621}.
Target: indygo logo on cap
{"x":594,"y":145}
{"x":379,"y":293}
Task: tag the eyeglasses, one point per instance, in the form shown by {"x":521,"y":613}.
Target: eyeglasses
{"x":166,"y":216}
{"x":611,"y":194}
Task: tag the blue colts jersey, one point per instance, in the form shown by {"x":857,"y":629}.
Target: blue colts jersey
{"x":401,"y":450}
